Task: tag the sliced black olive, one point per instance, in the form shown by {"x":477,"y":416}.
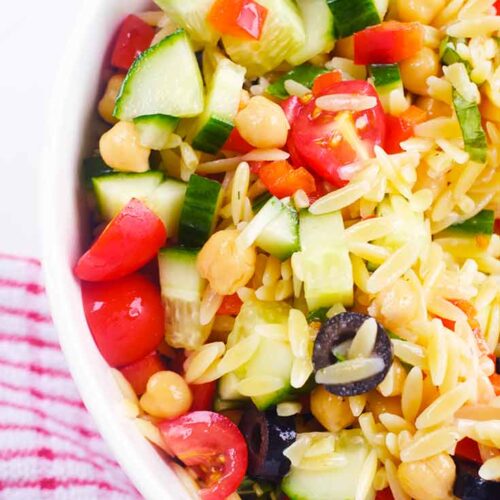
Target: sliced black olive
{"x":342,"y":328}
{"x":267,"y":436}
{"x":468,"y":484}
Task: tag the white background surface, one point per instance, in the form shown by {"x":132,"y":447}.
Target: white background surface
{"x":33,"y":36}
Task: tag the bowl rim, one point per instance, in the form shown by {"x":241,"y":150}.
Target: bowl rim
{"x":142,"y":464}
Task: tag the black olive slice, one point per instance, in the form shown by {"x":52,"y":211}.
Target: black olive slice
{"x":267,"y":436}
{"x":342,"y":328}
{"x":468,"y":484}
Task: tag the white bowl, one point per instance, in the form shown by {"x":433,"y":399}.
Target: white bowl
{"x":63,"y":224}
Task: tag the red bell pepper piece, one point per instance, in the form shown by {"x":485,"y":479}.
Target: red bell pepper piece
{"x":239,"y":18}
{"x":387,"y":43}
{"x":400,"y":128}
{"x":141,"y":371}
{"x":282,"y":180}
{"x":497,"y":7}
{"x":384,"y":495}
{"x":236,"y":143}
{"x":325,"y":81}
{"x":203,"y":396}
{"x":133,"y":38}
{"x":468,"y":448}
{"x":231,"y":305}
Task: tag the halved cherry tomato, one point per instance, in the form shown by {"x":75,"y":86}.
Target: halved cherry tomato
{"x":291,"y":106}
{"x":139,"y":373}
{"x":468,"y":448}
{"x":240,"y":18}
{"x":213,"y":447}
{"x":125,"y":317}
{"x":497,"y":7}
{"x":236,"y":143}
{"x":497,"y":223}
{"x":231,"y":305}
{"x":282,"y":180}
{"x":203,"y":396}
{"x":384,"y":495}
{"x":133,"y":38}
{"x":400,"y":128}
{"x":388,"y":42}
{"x":326,"y":141}
{"x":325,"y":81}
{"x":129,"y":241}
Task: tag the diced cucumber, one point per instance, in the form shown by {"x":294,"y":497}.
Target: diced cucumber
{"x":165,"y":79}
{"x":469,"y":118}
{"x":114,"y":191}
{"x":304,"y":74}
{"x":155,"y":130}
{"x":282,"y":35}
{"x":318,"y":25}
{"x":166,"y":202}
{"x":209,"y":61}
{"x":335,"y":483}
{"x":280,"y":237}
{"x":325,"y":262}
{"x":224,"y":405}
{"x":227,"y":388}
{"x":181,"y":290}
{"x":387,"y":79}
{"x":273,"y":357}
{"x":199,"y":213}
{"x":351,"y":16}
{"x":448,"y":52}
{"x":318,"y":315}
{"x":260,"y":201}
{"x":482,"y":223}
{"x":192,"y":16}
{"x":94,"y":166}
{"x":224,"y":94}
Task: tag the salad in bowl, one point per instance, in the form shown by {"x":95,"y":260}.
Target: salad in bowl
{"x":294,"y":269}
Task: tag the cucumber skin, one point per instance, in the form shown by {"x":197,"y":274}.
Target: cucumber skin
{"x":213,"y":135}
{"x":386,"y":77}
{"x":482,"y":223}
{"x":304,"y":74}
{"x":351,"y":16}
{"x":94,"y":166}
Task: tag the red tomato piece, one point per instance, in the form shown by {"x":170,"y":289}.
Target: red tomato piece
{"x":231,"y":305}
{"x":497,"y":7}
{"x":495,"y":382}
{"x":213,"y":447}
{"x":468,"y":448}
{"x":127,"y":243}
{"x":401,"y":128}
{"x":327,"y":141}
{"x":125,"y":317}
{"x":282,"y":180}
{"x":239,"y":18}
{"x":139,"y":373}
{"x":384,"y":495}
{"x":134,"y":37}
{"x":497,"y":223}
{"x":291,"y":106}
{"x":387,"y":43}
{"x":236,"y":143}
{"x":203,"y":396}
{"x":325,"y":81}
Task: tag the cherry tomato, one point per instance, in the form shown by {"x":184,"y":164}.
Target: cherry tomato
{"x":497,"y":7}
{"x":231,"y":305}
{"x":384,"y":495}
{"x":213,"y":447}
{"x":400,"y":128}
{"x":467,"y":448}
{"x":325,"y":81}
{"x":129,"y":241}
{"x":327,"y":141}
{"x":134,"y":37}
{"x":203,"y":396}
{"x":236,"y":143}
{"x":125,"y":317}
{"x":139,"y":373}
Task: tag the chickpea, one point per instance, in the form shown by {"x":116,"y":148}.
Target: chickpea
{"x":416,"y":70}
{"x":225,"y":264}
{"x":167,"y":395}
{"x":423,"y":11}
{"x":263,"y":123}
{"x":429,"y":479}
{"x":121,"y":149}
{"x":378,"y":404}
{"x":331,"y":411}
{"x":345,"y":48}
{"x":107,"y":103}
{"x":433,"y":107}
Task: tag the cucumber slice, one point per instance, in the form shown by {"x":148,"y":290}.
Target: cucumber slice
{"x":166,"y":202}
{"x":448,"y":52}
{"x":155,"y":130}
{"x":386,"y":78}
{"x":282,"y":34}
{"x":114,"y":191}
{"x":192,"y":16}
{"x":325,"y":262}
{"x":165,"y":79}
{"x":304,"y":74}
{"x":336,"y":483}
{"x":181,"y":290}
{"x":224,"y":94}
{"x":272,"y":357}
{"x":318,"y":25}
{"x":94,"y":166}
{"x":199,"y":213}
{"x":280,"y":237}
{"x":482,"y":223}
{"x":469,"y":117}
{"x":351,"y":16}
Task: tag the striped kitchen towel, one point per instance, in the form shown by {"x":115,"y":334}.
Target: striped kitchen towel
{"x":49,"y":447}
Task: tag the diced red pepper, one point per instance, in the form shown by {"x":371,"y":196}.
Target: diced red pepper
{"x":324,"y":81}
{"x":387,"y":43}
{"x":203,"y":396}
{"x":282,"y":180}
{"x":133,"y":38}
{"x":497,"y":221}
{"x":239,"y":18}
{"x":467,"y":448}
{"x":236,"y":143}
{"x":401,"y":128}
{"x":384,"y":495}
{"x":497,"y":7}
{"x":140,"y":372}
{"x":231,"y":305}
{"x":495,"y":382}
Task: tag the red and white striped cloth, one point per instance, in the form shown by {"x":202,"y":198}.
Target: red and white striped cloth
{"x":49,"y":447}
